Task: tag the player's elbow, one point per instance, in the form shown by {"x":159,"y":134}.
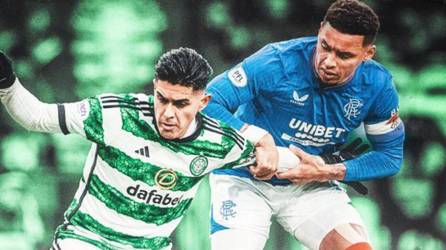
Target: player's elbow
{"x":42,"y":118}
{"x":394,"y":162}
{"x":395,"y":167}
{"x":30,"y":124}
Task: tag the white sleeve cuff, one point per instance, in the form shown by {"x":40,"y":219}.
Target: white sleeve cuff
{"x":253,"y":134}
{"x":287,"y":159}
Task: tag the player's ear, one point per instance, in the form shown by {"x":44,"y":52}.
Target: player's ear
{"x":370,"y":52}
{"x":205,"y":100}
{"x":320,"y":26}
{"x":154,"y":83}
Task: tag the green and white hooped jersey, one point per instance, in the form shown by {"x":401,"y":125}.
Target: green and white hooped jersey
{"x":135,"y":186}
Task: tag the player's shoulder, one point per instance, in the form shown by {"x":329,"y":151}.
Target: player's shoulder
{"x":296,"y":44}
{"x":279,"y":58}
{"x":289,"y":47}
{"x":375,"y":71}
{"x":219,"y":128}
{"x":126,"y":102}
{"x":375,"y":76}
{"x":376,"y":83}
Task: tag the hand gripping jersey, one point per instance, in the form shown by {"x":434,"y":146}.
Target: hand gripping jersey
{"x":136,"y":186}
{"x":278,"y":90}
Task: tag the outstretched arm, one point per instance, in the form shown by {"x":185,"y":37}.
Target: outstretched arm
{"x":24,"y":107}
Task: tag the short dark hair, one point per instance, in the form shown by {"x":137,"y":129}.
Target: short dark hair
{"x":184,"y":66}
{"x":353,"y":17}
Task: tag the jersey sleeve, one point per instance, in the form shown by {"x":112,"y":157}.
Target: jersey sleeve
{"x":83,"y":118}
{"x":241,"y":84}
{"x":241,"y":155}
{"x":383,"y":119}
{"x":29,"y":111}
{"x":385,"y":131}
{"x":104,"y":116}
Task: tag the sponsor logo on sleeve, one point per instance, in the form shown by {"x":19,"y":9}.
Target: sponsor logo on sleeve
{"x":394,"y":119}
{"x":83,"y":108}
{"x":238,"y":76}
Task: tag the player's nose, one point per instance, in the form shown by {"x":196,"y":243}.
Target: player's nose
{"x":169,"y":112}
{"x":330,"y":61}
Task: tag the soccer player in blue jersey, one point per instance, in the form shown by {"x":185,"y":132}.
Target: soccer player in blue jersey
{"x":308,"y":94}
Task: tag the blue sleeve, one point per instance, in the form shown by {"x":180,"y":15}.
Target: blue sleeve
{"x":384,"y":160}
{"x":241,"y":84}
{"x":385,"y":131}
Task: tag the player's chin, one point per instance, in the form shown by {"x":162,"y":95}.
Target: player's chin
{"x":168,"y":134}
{"x":330,"y":80}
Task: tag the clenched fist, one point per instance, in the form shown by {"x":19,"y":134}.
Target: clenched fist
{"x":7,"y":76}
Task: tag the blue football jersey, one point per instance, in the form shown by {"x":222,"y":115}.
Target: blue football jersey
{"x":278,"y":90}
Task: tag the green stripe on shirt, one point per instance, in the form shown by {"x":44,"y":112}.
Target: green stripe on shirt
{"x":142,"y":211}
{"x":93,"y":125}
{"x":142,"y":171}
{"x":92,"y":225}
{"x":132,"y":124}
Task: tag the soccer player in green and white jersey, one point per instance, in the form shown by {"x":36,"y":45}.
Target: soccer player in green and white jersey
{"x":148,"y":156}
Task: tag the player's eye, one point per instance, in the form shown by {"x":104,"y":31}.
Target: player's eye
{"x":345,"y":56}
{"x":325,"y":46}
{"x":181,"y":104}
{"x":162,"y":99}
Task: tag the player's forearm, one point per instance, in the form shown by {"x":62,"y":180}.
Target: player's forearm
{"x":307,"y":167}
{"x":28,"y":111}
{"x":372,"y":165}
{"x":335,"y":171}
{"x":385,"y":160}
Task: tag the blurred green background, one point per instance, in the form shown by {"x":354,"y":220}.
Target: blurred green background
{"x":68,"y":50}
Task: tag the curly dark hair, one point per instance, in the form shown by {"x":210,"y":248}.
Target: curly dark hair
{"x":184,"y":66}
{"x":353,"y":17}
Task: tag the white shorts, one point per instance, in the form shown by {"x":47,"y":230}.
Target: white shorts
{"x":308,"y":212}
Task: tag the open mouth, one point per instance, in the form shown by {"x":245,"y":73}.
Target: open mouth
{"x":168,"y":126}
{"x":327,"y":76}
{"x":328,"y":73}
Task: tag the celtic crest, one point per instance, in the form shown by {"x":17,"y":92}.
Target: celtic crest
{"x":198,"y":165}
